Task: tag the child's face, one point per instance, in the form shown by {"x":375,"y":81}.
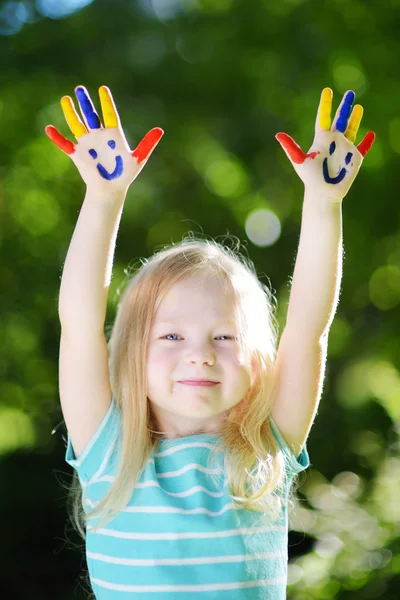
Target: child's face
{"x":194,"y":315}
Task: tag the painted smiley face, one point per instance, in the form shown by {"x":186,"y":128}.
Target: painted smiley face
{"x":119,"y":167}
{"x":341,"y":175}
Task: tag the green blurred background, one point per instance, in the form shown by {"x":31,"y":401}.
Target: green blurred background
{"x":221,"y":77}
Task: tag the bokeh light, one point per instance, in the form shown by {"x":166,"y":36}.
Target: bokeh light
{"x":263,"y":227}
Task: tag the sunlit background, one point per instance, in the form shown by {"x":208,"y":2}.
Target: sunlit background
{"x":221,"y":77}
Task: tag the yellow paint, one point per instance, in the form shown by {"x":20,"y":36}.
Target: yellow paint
{"x":354,"y":122}
{"x":110,"y":114}
{"x":325,"y":107}
{"x":72,"y":117}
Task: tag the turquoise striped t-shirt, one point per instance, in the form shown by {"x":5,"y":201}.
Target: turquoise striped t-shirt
{"x":180,"y":535}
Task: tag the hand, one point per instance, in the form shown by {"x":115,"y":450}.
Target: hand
{"x":333,"y":161}
{"x":102,"y":155}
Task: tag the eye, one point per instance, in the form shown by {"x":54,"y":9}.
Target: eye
{"x":348,"y":157}
{"x":112,"y":144}
{"x":332,"y":148}
{"x":168,"y":335}
{"x":230,"y":337}
{"x":93,"y":153}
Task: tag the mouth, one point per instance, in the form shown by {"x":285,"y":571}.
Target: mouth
{"x":339,"y":177}
{"x":199,"y":382}
{"x":117,"y":171}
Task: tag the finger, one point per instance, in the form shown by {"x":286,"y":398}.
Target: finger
{"x":110,"y":115}
{"x":354,"y":123}
{"x":343,"y":112}
{"x":72,"y":117}
{"x":365,"y":146}
{"x":147,"y":145}
{"x":88,"y":111}
{"x":59,"y":140}
{"x":293,"y":150}
{"x":325,"y":109}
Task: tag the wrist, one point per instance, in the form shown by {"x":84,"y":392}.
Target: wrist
{"x":108,"y":194}
{"x":322,"y":196}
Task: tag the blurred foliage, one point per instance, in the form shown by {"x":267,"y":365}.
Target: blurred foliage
{"x":221,"y":77}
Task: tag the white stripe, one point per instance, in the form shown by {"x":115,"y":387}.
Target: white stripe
{"x":212,"y":587}
{"x":169,"y":451}
{"x":194,"y":535}
{"x":176,"y":473}
{"x":190,"y":467}
{"x":174,"y":562}
{"x":154,"y":484}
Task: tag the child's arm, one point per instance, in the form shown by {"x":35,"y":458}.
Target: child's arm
{"x":108,"y":167}
{"x":327,"y":171}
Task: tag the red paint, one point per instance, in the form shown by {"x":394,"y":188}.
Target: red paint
{"x":147,"y":145}
{"x":59,"y":140}
{"x":295,"y":152}
{"x":366,"y":144}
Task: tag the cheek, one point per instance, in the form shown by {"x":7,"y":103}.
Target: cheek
{"x":159,"y":358}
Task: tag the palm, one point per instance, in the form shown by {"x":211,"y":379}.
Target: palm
{"x":333,"y":160}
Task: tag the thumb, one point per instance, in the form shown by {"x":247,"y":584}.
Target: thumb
{"x":293,"y":150}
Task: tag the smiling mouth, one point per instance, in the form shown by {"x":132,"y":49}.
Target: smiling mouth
{"x":339,"y":177}
{"x":117,"y":171}
{"x":199,"y":383}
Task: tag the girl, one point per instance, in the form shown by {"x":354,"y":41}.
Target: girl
{"x":188,"y":429}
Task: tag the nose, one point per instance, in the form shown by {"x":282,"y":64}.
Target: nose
{"x":200,"y":356}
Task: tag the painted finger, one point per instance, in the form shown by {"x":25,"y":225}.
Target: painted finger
{"x":88,"y":111}
{"x":110,"y":115}
{"x":292,"y":149}
{"x":72,"y":117}
{"x":147,"y":145}
{"x":325,"y":109}
{"x":342,"y":114}
{"x":365,"y":146}
{"x":354,"y":123}
{"x":59,"y":140}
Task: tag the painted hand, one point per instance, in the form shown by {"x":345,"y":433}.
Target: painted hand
{"x":333,"y":161}
{"x":102,"y":154}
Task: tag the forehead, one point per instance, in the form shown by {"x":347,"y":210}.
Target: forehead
{"x":196,"y":296}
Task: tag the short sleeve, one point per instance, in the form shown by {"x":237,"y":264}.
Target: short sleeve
{"x":295,"y":464}
{"x":99,"y":448}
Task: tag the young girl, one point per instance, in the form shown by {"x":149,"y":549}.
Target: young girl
{"x":187,"y":431}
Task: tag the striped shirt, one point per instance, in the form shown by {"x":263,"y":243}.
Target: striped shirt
{"x":180,"y":536}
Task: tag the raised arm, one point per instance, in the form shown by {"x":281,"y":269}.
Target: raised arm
{"x":108,"y":167}
{"x":328,"y":171}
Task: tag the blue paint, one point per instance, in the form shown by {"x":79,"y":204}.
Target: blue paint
{"x":330,"y":179}
{"x":117,"y":171}
{"x":88,"y":109}
{"x":112,"y":144}
{"x":341,"y":123}
{"x":93,"y":153}
{"x":348,"y":157}
{"x":332,"y":148}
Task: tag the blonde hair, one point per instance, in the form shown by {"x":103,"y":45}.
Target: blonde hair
{"x":253,"y":463}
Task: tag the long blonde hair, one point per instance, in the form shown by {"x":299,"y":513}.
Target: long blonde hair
{"x":253,"y":464}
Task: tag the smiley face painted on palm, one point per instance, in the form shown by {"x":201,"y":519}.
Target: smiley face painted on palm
{"x":119,"y":165}
{"x":342,"y":173}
